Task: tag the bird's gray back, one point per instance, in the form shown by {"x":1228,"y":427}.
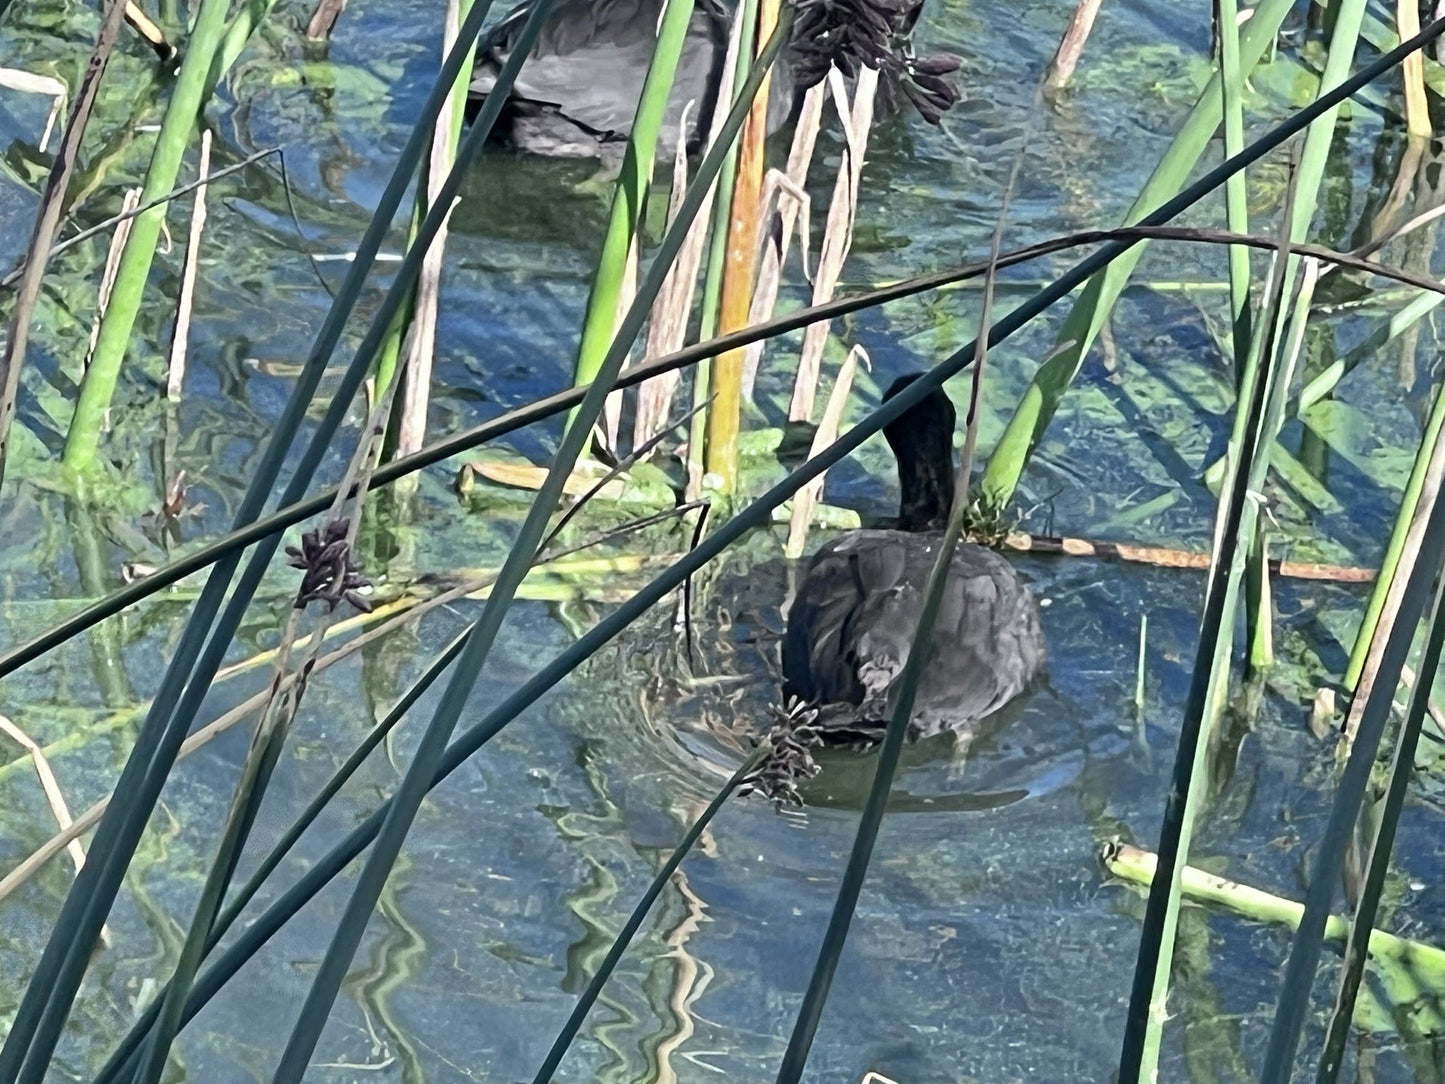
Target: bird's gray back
{"x":855,"y":613}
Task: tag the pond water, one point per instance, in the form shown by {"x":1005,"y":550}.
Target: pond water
{"x":989,"y":943}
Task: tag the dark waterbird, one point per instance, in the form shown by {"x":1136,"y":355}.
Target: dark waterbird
{"x":576,"y":95}
{"x":856,"y":610}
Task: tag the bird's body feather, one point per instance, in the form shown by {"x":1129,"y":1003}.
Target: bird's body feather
{"x":854,"y":616}
{"x":577,"y":94}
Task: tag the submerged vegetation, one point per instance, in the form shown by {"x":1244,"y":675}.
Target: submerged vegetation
{"x":1225,"y":348}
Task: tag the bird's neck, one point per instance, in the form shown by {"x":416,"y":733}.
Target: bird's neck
{"x":926,"y":490}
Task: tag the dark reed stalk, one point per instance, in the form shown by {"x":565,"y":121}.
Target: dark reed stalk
{"x":835,"y":937}
{"x":750,"y":517}
{"x":1362,"y":924}
{"x":47,"y":999}
{"x":47,"y":221}
{"x":329,"y":580}
{"x":289,"y":514}
{"x":129,"y":1052}
{"x":805,"y":1026}
{"x":260,"y":930}
{"x":425,"y":760}
{"x":621,"y":467}
{"x":1260,"y":394}
{"x":1152,"y":934}
{"x":629,"y":929}
{"x":1303,"y":959}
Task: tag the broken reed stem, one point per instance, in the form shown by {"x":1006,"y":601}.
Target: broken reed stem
{"x":47,"y":222}
{"x":176,"y":368}
{"x":1071,"y":45}
{"x":323,"y":19}
{"x":1163,"y":557}
{"x":1259,"y":604}
{"x":54,"y":796}
{"x":44,"y":85}
{"x":148,"y":31}
{"x":856,"y":121}
{"x":1138,"y":866}
{"x":1139,"y":666}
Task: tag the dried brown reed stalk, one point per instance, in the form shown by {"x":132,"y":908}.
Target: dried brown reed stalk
{"x":112,"y":262}
{"x":1071,"y":45}
{"x":416,"y":374}
{"x":784,"y":193}
{"x":611,"y":420}
{"x":856,"y":119}
{"x":176,"y":367}
{"x":667,"y":326}
{"x":806,"y":499}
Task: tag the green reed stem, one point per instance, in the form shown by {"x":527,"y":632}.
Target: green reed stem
{"x":1395,"y":548}
{"x":98,"y":385}
{"x":1091,"y":309}
{"x":1362,"y":925}
{"x":600,"y":322}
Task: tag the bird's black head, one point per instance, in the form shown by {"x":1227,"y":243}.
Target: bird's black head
{"x":922,"y":442}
